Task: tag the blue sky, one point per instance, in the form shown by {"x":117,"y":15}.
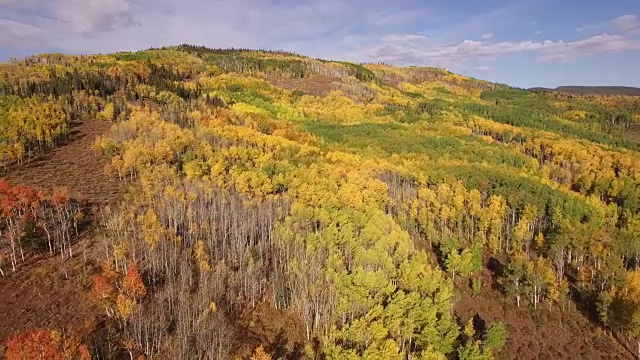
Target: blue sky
{"x":518,"y":42}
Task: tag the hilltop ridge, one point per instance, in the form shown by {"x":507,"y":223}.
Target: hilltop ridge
{"x":594,"y":90}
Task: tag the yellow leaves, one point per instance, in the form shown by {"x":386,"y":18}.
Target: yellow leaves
{"x":124,"y":306}
{"x":18,"y":151}
{"x":34,"y":123}
{"x":151,"y":227}
{"x":337,"y":107}
{"x":633,"y":287}
{"x":289,"y":113}
{"x":469,"y":329}
{"x":390,"y":95}
{"x":348,"y":194}
{"x":143,"y":140}
{"x":56,"y":337}
{"x":253,"y":184}
{"x":218,"y":172}
{"x":168,"y":97}
{"x":426,"y":194}
{"x":120,"y":251}
{"x":244,"y":108}
{"x":293,"y":135}
{"x":408,"y":87}
{"x":540,"y":271}
{"x":260,"y":354}
{"x":474,"y":201}
{"x":456,"y":78}
{"x":195,"y":169}
{"x":575,"y":115}
{"x":540,"y":241}
{"x":203,"y":260}
{"x":224,"y":81}
{"x":108,"y":113}
{"x":163,"y":151}
{"x":145,"y":90}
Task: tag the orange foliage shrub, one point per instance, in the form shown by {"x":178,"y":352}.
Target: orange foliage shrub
{"x":132,"y":284}
{"x":45,"y":345}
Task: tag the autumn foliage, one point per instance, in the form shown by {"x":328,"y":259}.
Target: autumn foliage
{"x":313,"y":187}
{"x":132,"y":284}
{"x":118,"y":293}
{"x":45,"y":345}
{"x":32,"y":221}
{"x":260,"y":354}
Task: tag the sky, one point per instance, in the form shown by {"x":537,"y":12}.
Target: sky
{"x":522,"y":43}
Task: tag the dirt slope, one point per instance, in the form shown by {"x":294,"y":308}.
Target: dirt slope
{"x":74,"y":165}
{"x":545,"y":333}
{"x":45,"y":292}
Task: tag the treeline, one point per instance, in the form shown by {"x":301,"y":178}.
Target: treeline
{"x":56,"y":82}
{"x":30,"y":126}
{"x":525,"y":109}
{"x":599,"y":90}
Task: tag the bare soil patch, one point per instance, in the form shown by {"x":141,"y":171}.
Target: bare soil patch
{"x":317,"y":85}
{"x":545,"y":333}
{"x":280,"y":333}
{"x":48,"y":293}
{"x":74,"y":165}
{"x":633,"y":134}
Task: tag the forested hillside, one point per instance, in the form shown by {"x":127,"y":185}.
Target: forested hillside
{"x":270,"y":205}
{"x":595,"y":90}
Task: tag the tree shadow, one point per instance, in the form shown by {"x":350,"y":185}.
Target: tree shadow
{"x":479,"y":324}
{"x":279,"y":349}
{"x":497,"y":271}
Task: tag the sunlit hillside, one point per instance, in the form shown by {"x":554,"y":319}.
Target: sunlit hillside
{"x":212,"y":204}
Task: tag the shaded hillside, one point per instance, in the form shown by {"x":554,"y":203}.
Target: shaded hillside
{"x":270,"y":203}
{"x":595,"y":90}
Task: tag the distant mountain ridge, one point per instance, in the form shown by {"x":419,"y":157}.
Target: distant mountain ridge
{"x":594,"y":90}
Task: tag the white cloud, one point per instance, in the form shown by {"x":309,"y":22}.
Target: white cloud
{"x":58,"y":23}
{"x":626,"y":22}
{"x":360,"y":30}
{"x":400,"y":17}
{"x":403,"y":38}
{"x":110,"y":25}
{"x":604,"y":43}
{"x":18,"y":33}
{"x":405,"y":52}
{"x":91,"y":16}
